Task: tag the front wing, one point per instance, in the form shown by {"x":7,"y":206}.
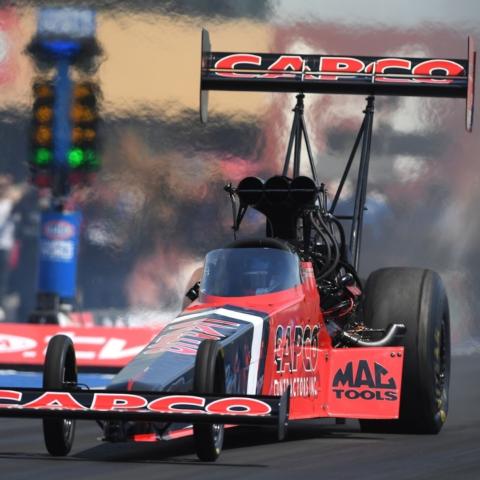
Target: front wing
{"x":146,"y":406}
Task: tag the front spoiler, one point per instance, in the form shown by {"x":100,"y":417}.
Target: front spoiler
{"x":146,"y":406}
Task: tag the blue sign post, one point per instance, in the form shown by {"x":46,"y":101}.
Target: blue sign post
{"x":61,"y":116}
{"x":65,"y":37}
{"x":58,"y":254}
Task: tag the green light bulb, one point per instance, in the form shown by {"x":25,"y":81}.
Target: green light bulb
{"x":42,"y":156}
{"x":76,"y":157}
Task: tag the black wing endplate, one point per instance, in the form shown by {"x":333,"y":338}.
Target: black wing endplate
{"x":282,"y":72}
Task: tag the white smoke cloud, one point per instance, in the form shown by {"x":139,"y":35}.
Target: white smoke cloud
{"x":408,"y":168}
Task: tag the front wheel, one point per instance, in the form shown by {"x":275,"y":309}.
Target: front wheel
{"x":60,"y":373}
{"x":416,"y":298}
{"x":209,"y":378}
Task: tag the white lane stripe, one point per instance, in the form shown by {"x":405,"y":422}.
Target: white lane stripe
{"x":257,"y":323}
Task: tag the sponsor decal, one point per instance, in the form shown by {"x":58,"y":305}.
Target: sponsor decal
{"x":238,"y":406}
{"x":10,"y":395}
{"x":15,"y":343}
{"x":116,"y":401}
{"x":57,"y":250}
{"x":296,"y":356}
{"x":289,"y":66}
{"x":108,"y":402}
{"x":93,"y":346}
{"x":184,"y":338}
{"x":296,"y":348}
{"x":54,"y":401}
{"x":90,"y":347}
{"x":338,"y":64}
{"x":362,"y":381}
{"x":243,"y":319}
{"x":286,"y":62}
{"x":387,"y":65}
{"x":299,"y":386}
{"x":231,"y":61}
{"x":58,"y":230}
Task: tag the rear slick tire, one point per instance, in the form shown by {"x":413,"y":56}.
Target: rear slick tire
{"x":59,"y":368}
{"x":416,"y":298}
{"x":209,"y":378}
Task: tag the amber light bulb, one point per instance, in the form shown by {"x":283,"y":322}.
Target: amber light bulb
{"x":82,"y":91}
{"x":89,"y":134}
{"x":43,"y":90}
{"x":76,"y":112}
{"x":77,"y":135}
{"x":81,"y":113}
{"x":43,"y":135}
{"x":88,"y":115}
{"x":44,"y":114}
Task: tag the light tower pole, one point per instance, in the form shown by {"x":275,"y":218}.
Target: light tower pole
{"x":65,"y":40}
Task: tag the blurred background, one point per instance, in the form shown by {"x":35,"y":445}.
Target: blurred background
{"x":158,"y":205}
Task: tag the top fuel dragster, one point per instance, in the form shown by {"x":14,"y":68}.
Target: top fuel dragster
{"x":281,"y":328}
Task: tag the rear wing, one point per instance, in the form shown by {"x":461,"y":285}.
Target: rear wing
{"x":282,"y":72}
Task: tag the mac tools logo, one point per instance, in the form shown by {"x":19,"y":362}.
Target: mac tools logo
{"x":363,"y":383}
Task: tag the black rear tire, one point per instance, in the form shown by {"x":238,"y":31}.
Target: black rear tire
{"x":416,"y":298}
{"x":209,"y":377}
{"x":60,"y":367}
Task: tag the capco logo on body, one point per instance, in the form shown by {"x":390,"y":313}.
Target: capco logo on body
{"x":14,"y":343}
{"x":363,"y":383}
{"x":296,"y":348}
{"x":58,"y":230}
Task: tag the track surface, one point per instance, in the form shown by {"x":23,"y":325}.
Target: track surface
{"x":313,"y":450}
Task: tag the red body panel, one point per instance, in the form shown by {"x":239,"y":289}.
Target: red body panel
{"x":363,"y":382}
{"x":323,"y":381}
{"x":297,"y":336}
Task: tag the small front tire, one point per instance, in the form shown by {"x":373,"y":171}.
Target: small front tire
{"x":60,"y":370}
{"x":209,"y":378}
